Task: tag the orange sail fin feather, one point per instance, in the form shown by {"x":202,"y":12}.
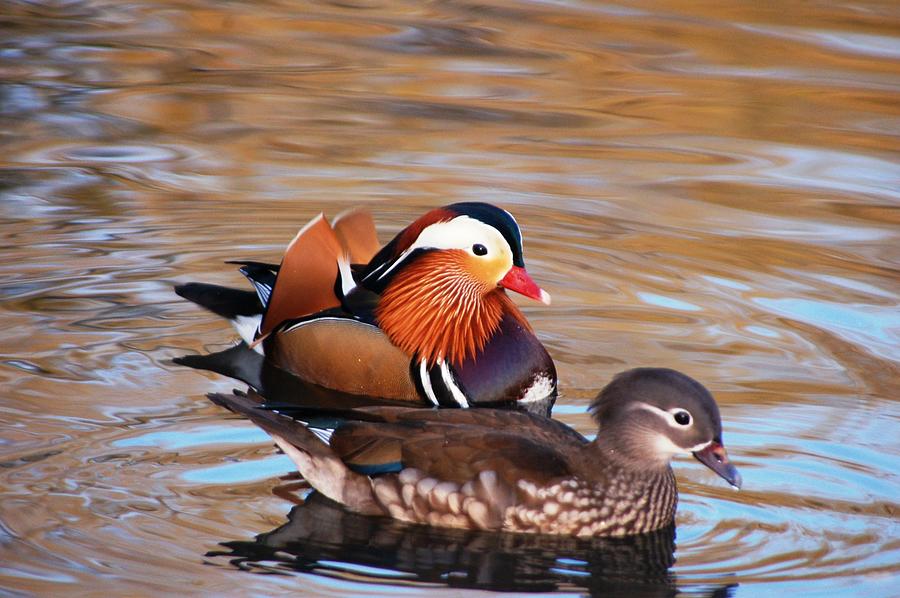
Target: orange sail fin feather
{"x":305,"y":283}
{"x":356,"y":231}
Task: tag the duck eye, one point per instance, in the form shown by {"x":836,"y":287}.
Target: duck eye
{"x":479,"y":249}
{"x":682,"y":418}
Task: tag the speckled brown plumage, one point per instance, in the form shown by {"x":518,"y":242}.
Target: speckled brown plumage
{"x":501,"y":470}
{"x":619,"y":505}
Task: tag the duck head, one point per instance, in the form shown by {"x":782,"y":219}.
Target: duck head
{"x":442,"y":281}
{"x":649,"y":415}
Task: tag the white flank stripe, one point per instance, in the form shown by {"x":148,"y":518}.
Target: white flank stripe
{"x":326,"y":319}
{"x":447,"y":375}
{"x":426,"y":382}
{"x":395,"y":264}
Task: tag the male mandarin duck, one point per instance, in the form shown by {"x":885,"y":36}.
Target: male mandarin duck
{"x":425,"y":318}
{"x":493,"y":469}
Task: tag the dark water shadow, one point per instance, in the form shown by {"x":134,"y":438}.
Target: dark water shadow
{"x":321,"y":538}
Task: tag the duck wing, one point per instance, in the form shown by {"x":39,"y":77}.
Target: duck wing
{"x":344,"y":354}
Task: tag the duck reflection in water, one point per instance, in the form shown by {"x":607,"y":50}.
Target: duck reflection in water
{"x":321,"y":537}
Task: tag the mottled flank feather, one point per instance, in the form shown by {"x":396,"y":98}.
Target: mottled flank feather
{"x":413,"y":496}
{"x":626,"y":504}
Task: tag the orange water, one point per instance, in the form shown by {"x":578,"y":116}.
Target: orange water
{"x":702,"y":185}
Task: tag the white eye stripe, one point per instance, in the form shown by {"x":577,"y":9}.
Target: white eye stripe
{"x":668,"y":416}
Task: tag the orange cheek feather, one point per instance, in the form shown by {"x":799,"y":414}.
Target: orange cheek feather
{"x":486,"y":271}
{"x":445,"y":305}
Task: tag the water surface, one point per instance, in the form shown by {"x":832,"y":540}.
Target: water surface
{"x":706,"y":186}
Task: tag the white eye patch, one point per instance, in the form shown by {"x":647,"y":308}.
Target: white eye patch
{"x":465,"y":233}
{"x":472,"y":236}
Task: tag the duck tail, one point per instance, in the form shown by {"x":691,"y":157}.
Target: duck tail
{"x":239,"y":362}
{"x":314,"y":459}
{"x":242,"y":308}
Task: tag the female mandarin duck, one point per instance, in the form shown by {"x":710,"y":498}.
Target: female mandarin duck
{"x":426,"y":318}
{"x":504,"y":470}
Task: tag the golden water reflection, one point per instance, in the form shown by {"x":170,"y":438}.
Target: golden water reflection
{"x":706,"y":186}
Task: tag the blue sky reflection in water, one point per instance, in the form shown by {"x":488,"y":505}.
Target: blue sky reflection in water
{"x":705,"y":187}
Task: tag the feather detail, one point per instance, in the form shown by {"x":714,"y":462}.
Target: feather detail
{"x":306,"y":276}
{"x":356,"y":232}
{"x":436,"y":309}
{"x":409,"y":235}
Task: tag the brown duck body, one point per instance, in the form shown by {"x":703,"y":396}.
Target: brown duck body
{"x":502,"y":470}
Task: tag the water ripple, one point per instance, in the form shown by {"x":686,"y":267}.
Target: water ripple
{"x":709,"y":187}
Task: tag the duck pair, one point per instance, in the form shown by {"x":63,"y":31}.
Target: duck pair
{"x":425,"y":321}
